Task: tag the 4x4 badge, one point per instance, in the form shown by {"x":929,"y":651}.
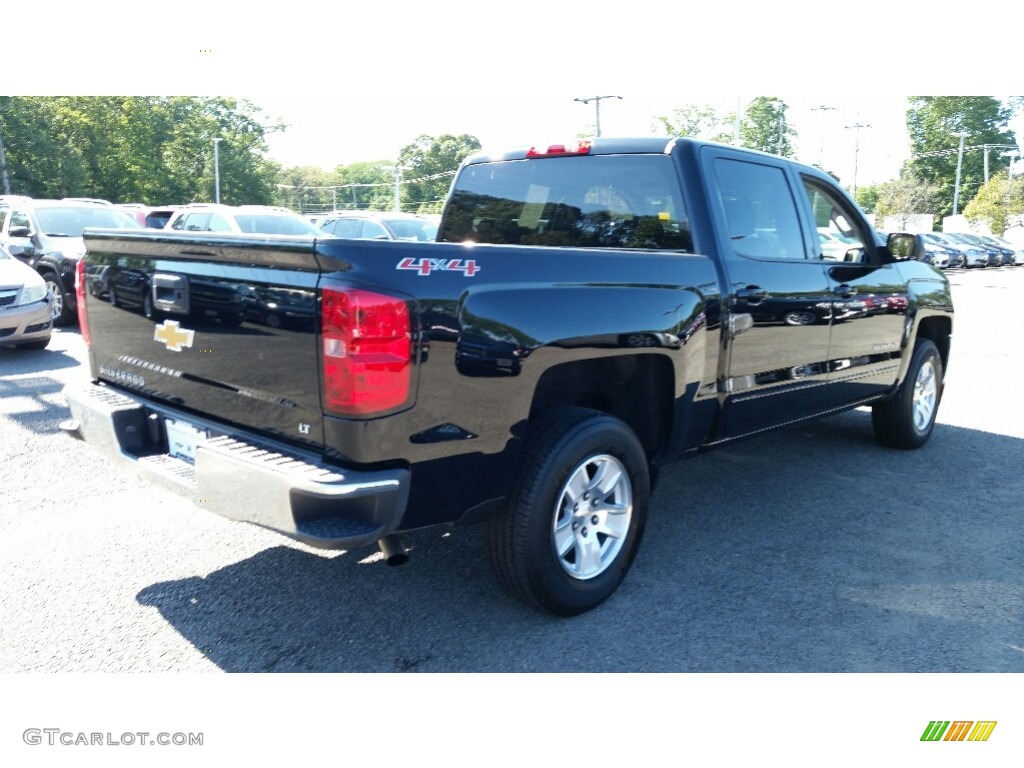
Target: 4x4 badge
{"x":173,"y":336}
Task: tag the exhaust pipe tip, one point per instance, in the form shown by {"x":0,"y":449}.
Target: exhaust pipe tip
{"x":394,"y":550}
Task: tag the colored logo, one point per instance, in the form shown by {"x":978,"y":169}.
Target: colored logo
{"x":424,"y":267}
{"x":959,"y":730}
{"x":173,"y":336}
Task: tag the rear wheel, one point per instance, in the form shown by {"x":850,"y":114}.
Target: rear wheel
{"x":906,"y":419}
{"x":576,"y":516}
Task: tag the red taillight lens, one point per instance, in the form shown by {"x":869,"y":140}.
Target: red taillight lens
{"x":83,"y":313}
{"x":367,"y":352}
{"x":579,"y":148}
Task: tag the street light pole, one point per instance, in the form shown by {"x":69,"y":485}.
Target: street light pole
{"x":216,"y":170}
{"x":597,"y":110}
{"x":856,"y":153}
{"x":959,"y":165}
{"x":821,"y":151}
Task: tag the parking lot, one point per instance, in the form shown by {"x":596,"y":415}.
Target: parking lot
{"x":809,"y":550}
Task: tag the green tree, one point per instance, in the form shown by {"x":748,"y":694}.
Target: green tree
{"x":764,"y":127}
{"x":428,"y":164}
{"x":867,"y":197}
{"x":932,"y":122}
{"x":703,"y":122}
{"x":144,"y":149}
{"x":905,"y":197}
{"x":996,"y":202}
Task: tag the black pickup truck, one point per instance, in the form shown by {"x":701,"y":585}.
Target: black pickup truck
{"x":589,"y":312}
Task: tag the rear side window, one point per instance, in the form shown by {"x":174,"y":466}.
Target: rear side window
{"x":604,"y":201}
{"x":760,"y":210}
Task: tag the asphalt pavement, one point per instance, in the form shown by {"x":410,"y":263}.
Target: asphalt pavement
{"x":808,"y":550}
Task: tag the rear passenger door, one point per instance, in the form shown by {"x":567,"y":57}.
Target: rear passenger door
{"x":779,"y":305}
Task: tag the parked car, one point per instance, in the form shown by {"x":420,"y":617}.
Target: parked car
{"x":1018,"y":250}
{"x":240,"y":219}
{"x":972,"y":255}
{"x":993,"y":256}
{"x":1005,"y":249}
{"x":47,"y":236}
{"x":25,"y":321}
{"x":366,"y":225}
{"x":150,"y":216}
{"x":834,"y":246}
{"x":935,"y":253}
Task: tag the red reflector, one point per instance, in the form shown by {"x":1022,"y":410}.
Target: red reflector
{"x":83,"y":313}
{"x":579,"y":148}
{"x":367,"y":352}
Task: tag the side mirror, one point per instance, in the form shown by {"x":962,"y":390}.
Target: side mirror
{"x":20,"y":232}
{"x":902,"y":245}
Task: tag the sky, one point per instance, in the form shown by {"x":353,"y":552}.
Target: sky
{"x":358,"y":82}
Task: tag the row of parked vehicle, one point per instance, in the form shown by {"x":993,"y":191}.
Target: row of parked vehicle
{"x":961,"y":249}
{"x":41,"y":244}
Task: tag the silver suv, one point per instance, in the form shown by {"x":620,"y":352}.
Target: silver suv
{"x":239,"y":219}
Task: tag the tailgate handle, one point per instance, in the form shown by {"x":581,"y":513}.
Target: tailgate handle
{"x":170,"y":293}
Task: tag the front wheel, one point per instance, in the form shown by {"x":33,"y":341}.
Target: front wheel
{"x":576,"y":517}
{"x":907,"y":418}
{"x":59,"y":310}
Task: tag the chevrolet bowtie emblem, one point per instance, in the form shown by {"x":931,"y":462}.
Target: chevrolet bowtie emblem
{"x":173,"y":336}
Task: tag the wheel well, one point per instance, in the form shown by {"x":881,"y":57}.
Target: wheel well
{"x":937,"y":330}
{"x":634,"y":388}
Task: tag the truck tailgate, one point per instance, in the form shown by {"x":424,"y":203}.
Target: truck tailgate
{"x":218,"y":325}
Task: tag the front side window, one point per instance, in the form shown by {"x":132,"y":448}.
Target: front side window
{"x":842,"y":240}
{"x":603,"y":201}
{"x":760,"y":211}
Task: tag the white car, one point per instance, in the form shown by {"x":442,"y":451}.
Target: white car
{"x":25,"y":320}
{"x":239,"y":219}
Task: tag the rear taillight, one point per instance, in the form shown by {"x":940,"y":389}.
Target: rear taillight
{"x":367,"y":352}
{"x":83,"y":313}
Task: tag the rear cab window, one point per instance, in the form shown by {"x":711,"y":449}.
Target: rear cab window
{"x":593,"y":201}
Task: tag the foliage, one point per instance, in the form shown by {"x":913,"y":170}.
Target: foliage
{"x":905,"y":197}
{"x":429,"y":163}
{"x":764,"y":127}
{"x":931,"y":123}
{"x":867,"y":197}
{"x":997,"y":201}
{"x":143,"y":149}
{"x":697,"y":122}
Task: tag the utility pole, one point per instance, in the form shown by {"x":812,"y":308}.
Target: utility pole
{"x":216,"y":171}
{"x":821,"y":150}
{"x":856,"y":151}
{"x":398,"y":180}
{"x":597,"y":110}
{"x":959,"y":165}
{"x":3,"y":168}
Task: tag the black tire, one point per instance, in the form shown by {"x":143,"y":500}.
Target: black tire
{"x":147,"y":305}
{"x":906,"y":420}
{"x":112,"y":295}
{"x":574,"y":444}
{"x":59,"y":309}
{"x":800,"y":317}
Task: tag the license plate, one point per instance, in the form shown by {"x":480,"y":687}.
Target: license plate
{"x":182,"y":439}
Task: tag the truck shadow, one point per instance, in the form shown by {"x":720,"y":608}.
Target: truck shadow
{"x":809,"y":550}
